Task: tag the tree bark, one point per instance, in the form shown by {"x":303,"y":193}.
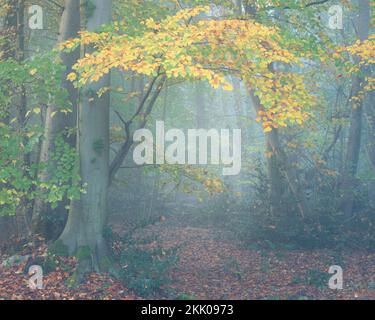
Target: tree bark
{"x":273,"y":150}
{"x":23,"y":209}
{"x":13,"y":47}
{"x":8,"y":48}
{"x":59,"y":124}
{"x":370,"y":116}
{"x":280,"y":173}
{"x":87,"y":216}
{"x":355,"y":131}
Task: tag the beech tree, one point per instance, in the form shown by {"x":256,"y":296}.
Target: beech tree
{"x":355,"y":132}
{"x":83,"y":233}
{"x":59,"y":124}
{"x":70,"y":106}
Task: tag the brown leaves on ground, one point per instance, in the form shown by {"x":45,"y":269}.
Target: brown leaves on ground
{"x":14,"y":283}
{"x":213,"y":267}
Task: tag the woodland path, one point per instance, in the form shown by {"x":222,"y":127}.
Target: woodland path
{"x":211,"y":266}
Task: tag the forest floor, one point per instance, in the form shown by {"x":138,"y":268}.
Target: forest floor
{"x":211,"y":266}
{"x":14,"y":282}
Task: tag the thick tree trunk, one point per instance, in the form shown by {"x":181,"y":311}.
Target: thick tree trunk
{"x":59,"y":124}
{"x":83,"y":233}
{"x":355,"y":131}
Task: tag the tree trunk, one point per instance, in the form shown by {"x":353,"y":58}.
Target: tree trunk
{"x":59,"y":124}
{"x":273,"y":150}
{"x":370,"y":116}
{"x":8,"y":49}
{"x":280,"y":173}
{"x":273,"y":147}
{"x":23,"y":209}
{"x":279,"y":169}
{"x":201,"y":115}
{"x":237,"y":106}
{"x":83,"y":233}
{"x":13,"y":47}
{"x":355,"y":131}
{"x":9,"y":30}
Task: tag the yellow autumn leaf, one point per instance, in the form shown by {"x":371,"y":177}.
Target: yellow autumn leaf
{"x":71,"y":76}
{"x":227,"y":87}
{"x":33,"y":71}
{"x":267,"y":129}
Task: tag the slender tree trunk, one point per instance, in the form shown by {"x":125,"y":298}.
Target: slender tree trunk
{"x":273,"y":147}
{"x":22,"y":106}
{"x":280,"y":173}
{"x":238,"y":4}
{"x":370,"y":116}
{"x":8,"y":48}
{"x":9,"y":30}
{"x":355,"y":131}
{"x":273,"y":150}
{"x":21,"y":109}
{"x":238,"y":104}
{"x":241,"y":112}
{"x":201,"y":107}
{"x":83,"y":233}
{"x":279,"y":169}
{"x":58,"y":124}
{"x":12,"y":47}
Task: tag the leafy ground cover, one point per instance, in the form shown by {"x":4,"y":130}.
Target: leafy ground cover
{"x":209,"y":266}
